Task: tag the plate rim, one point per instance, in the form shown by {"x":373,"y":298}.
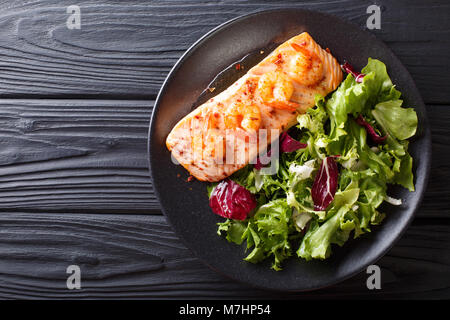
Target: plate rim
{"x":211,"y":33}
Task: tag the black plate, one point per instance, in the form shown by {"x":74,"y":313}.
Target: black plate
{"x":185,"y":204}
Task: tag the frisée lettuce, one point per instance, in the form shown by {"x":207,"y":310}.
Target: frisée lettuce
{"x":333,"y":177}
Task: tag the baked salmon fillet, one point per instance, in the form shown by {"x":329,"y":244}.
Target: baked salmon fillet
{"x":227,"y":132}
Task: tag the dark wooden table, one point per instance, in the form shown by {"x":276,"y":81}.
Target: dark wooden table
{"x":74,"y":113}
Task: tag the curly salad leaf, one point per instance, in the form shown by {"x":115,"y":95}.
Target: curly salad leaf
{"x":287,"y":219}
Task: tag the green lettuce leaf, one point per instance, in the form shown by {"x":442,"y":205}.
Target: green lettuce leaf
{"x":316,"y":243}
{"x":272,"y":225}
{"x":379,"y":162}
{"x":401,"y":123}
{"x":234,"y":230}
{"x":382,"y":88}
{"x":353,"y":98}
{"x":405,"y":176}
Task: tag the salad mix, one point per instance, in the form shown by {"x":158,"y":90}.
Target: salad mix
{"x":332,"y":173}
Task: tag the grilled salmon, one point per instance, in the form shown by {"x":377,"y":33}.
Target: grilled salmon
{"x":224,"y":134}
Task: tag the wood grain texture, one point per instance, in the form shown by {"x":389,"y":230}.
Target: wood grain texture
{"x":144,"y":259}
{"x":125,"y":49}
{"x":437,"y":194}
{"x":74,"y":155}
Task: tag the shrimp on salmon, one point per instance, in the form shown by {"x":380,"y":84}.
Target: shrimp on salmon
{"x":276,"y":89}
{"x":243,"y":115}
{"x":306,"y":67}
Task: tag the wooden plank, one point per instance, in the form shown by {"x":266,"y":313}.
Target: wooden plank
{"x":75,"y":155}
{"x":91,"y":156}
{"x":125,"y":50}
{"x":144,"y":259}
{"x":435,"y":202}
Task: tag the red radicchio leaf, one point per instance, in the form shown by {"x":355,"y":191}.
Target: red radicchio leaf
{"x":231,"y":200}
{"x":370,"y":130}
{"x":347,"y":67}
{"x":288,"y":144}
{"x":258,"y":165}
{"x":325,"y":184}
